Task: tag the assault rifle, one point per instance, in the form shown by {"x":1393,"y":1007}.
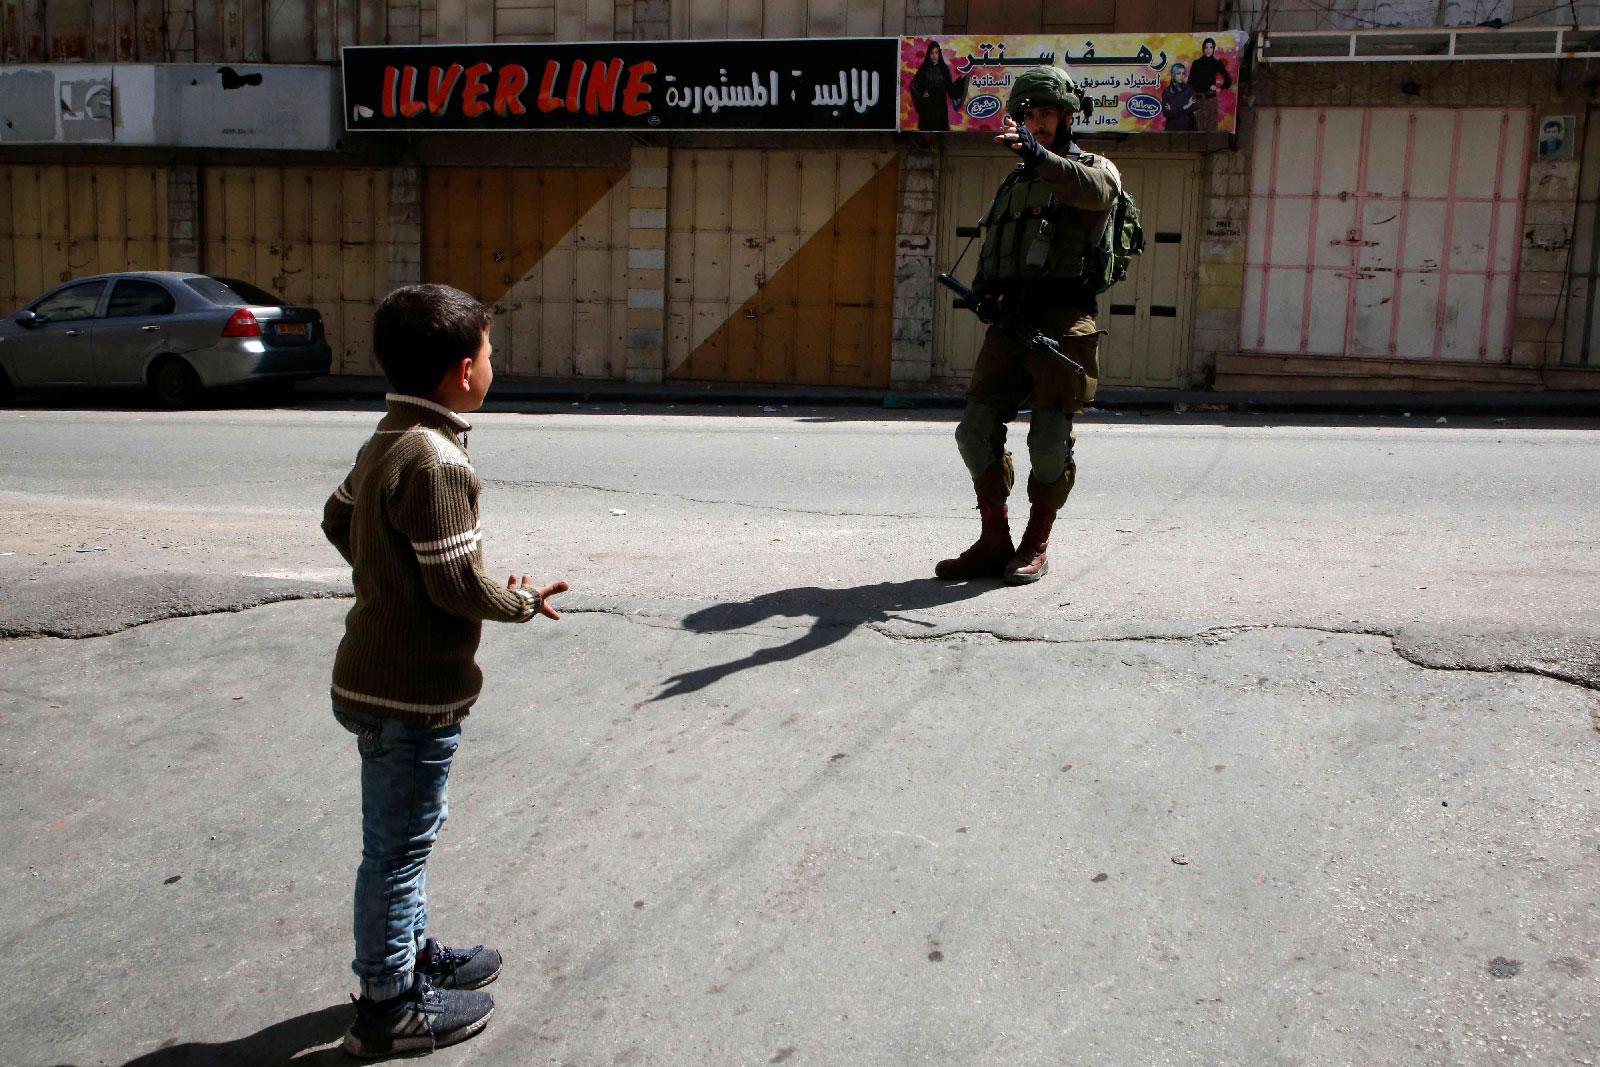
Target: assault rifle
{"x":1030,"y":336}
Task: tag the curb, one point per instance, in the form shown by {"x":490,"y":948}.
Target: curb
{"x":1181,"y":401}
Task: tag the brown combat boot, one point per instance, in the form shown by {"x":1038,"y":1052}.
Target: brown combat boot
{"x":1030,"y":563}
{"x":986,"y":557}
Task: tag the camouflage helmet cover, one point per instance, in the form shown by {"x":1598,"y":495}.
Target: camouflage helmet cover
{"x":1046,"y":87}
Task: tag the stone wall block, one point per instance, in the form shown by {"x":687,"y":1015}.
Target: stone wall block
{"x":913,"y":277}
{"x":1529,"y":353}
{"x":183,"y":216}
{"x":1540,"y":306}
{"x":1216,"y":320}
{"x":648,"y":176}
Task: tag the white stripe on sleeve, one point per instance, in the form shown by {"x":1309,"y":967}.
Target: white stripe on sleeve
{"x":429,"y":559}
{"x":473,"y":534}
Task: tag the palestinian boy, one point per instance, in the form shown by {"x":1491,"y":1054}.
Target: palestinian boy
{"x":406,"y":519}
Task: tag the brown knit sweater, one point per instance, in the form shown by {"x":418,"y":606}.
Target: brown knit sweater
{"x":406,"y":519}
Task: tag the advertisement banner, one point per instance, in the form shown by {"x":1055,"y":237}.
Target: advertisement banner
{"x":833,"y":84}
{"x":1139,"y":83}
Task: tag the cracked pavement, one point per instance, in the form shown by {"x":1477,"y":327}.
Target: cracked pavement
{"x":1291,"y":759}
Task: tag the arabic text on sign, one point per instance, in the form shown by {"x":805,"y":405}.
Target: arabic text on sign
{"x":713,"y":98}
{"x":856,"y":88}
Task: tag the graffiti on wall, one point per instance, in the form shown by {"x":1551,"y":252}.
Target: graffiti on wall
{"x":50,"y":104}
{"x":196,"y":105}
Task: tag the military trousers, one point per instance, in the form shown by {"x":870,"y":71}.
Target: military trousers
{"x":1009,"y":375}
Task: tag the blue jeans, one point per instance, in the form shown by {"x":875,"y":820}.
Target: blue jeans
{"x":404,"y":769}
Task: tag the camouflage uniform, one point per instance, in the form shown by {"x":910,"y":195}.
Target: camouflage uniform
{"x":1040,"y":232}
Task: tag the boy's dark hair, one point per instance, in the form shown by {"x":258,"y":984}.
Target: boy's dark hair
{"x":421,"y":331}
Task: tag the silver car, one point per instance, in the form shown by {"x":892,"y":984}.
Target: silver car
{"x":176,"y":333}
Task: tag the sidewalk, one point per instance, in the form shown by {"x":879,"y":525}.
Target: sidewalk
{"x":1113,"y":398}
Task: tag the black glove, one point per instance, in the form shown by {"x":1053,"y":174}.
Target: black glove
{"x":1028,"y":146}
{"x":988,"y":307}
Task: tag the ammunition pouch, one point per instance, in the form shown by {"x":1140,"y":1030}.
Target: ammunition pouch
{"x":1030,"y":236}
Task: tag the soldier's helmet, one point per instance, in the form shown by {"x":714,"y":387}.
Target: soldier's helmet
{"x":1046,"y":87}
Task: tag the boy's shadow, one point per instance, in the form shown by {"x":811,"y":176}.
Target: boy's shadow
{"x":837,"y":613}
{"x":289,"y":1041}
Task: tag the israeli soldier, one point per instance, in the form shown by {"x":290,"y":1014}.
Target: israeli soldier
{"x":1042,"y":234}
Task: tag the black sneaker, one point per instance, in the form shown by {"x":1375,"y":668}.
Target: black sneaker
{"x":419,"y":1020}
{"x":457,"y":968}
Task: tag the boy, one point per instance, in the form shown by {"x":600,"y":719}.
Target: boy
{"x":406,"y":519}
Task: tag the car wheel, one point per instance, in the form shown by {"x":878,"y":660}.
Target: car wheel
{"x":8,"y":392}
{"x":175,"y":383}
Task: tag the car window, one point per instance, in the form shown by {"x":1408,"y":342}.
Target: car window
{"x":72,"y":303}
{"x":134,"y":296}
{"x":232,"y":292}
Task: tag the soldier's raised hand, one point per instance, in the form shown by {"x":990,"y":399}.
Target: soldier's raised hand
{"x":1017,"y":137}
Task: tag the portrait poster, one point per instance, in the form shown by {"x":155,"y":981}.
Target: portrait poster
{"x":1138,"y":83}
{"x":1555,"y":138}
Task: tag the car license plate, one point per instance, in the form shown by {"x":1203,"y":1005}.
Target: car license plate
{"x":292,"y":329}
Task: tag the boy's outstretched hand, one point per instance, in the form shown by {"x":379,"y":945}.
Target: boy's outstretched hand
{"x":545,"y":593}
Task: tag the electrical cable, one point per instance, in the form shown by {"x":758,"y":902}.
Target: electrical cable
{"x":1547,"y":11}
{"x":1328,"y":9}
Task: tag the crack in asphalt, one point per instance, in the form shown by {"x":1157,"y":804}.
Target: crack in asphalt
{"x":100,"y":623}
{"x":1213,"y":635}
{"x":1217,"y":635}
{"x":1555,"y":674}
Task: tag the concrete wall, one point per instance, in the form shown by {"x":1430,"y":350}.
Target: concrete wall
{"x":1369,"y":14}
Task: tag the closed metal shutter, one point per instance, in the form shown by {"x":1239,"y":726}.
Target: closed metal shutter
{"x":63,"y":222}
{"x":547,"y":248}
{"x":316,"y":236}
{"x":781,"y":267}
{"x":1388,"y":233}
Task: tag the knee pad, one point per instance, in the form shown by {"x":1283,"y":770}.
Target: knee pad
{"x":981,"y":438}
{"x":1050,"y":444}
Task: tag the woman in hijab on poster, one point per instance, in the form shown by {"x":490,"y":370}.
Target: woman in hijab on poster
{"x":1209,"y":76}
{"x":1177,"y":101}
{"x":934,"y":89}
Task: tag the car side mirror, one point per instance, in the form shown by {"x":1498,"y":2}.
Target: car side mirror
{"x":28,"y":320}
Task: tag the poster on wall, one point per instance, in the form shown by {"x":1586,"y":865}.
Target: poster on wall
{"x":1139,"y":83}
{"x":818,"y":84}
{"x":1555,"y":138}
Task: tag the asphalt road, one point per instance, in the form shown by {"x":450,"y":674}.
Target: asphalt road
{"x":1291,"y":759}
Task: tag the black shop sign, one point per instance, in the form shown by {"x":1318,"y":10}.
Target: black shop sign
{"x":833,"y":84}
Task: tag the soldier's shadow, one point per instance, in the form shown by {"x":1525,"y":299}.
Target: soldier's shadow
{"x":835,"y":614}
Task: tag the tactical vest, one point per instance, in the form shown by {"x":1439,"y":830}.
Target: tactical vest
{"x":1031,"y":236}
